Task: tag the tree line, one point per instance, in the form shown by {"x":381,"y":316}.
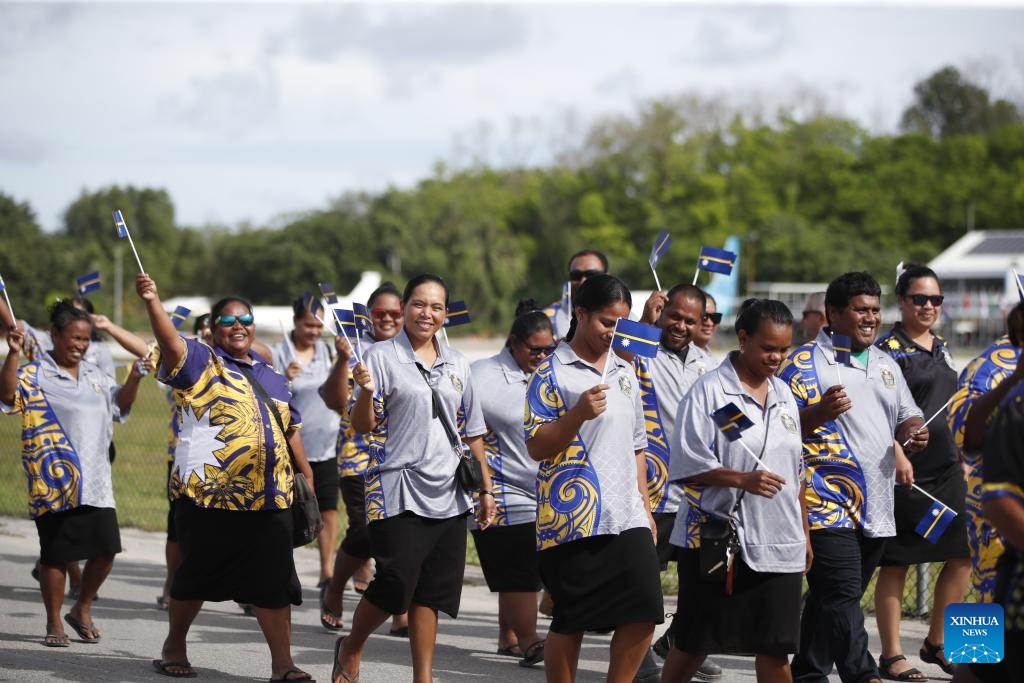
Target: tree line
{"x":810,"y":196}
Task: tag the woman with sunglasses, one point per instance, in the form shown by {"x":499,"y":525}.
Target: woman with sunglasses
{"x":705,"y":332}
{"x":595,"y":532}
{"x":237,"y":451}
{"x":410,"y":392}
{"x":353,"y":560}
{"x":507,"y":549}
{"x":928,"y":368}
{"x":305,"y":360}
{"x":67,"y":408}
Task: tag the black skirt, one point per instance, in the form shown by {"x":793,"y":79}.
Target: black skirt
{"x":762,"y":616}
{"x":231,"y":555}
{"x":508,"y":557}
{"x":601,"y":582}
{"x":908,"y":547}
{"x":80,"y":533}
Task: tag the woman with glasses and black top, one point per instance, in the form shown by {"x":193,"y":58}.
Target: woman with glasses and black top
{"x":705,"y":332}
{"x":928,"y":368}
{"x":411,"y":393}
{"x":237,"y":451}
{"x":595,"y":532}
{"x":507,"y":549}
{"x":352,"y":560}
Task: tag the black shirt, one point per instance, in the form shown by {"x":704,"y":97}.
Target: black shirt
{"x":932,"y":380}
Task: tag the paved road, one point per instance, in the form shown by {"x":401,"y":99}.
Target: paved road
{"x":225,"y":645}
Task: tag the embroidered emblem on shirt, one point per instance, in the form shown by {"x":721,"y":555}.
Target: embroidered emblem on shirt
{"x":893,"y":344}
{"x":888,"y":378}
{"x":788,"y":422}
{"x":457,"y":383}
{"x":701,"y":369}
{"x":625,"y":386}
{"x":97,"y":387}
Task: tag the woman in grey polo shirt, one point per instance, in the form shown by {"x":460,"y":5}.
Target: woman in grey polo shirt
{"x":507,"y":550}
{"x":594,"y":526}
{"x":415,"y":508}
{"x":66,"y":408}
{"x":756,"y":608}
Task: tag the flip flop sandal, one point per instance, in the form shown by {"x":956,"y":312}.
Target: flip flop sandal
{"x":303,"y":676}
{"x":57,"y":640}
{"x":336,"y":670}
{"x":885,"y":669}
{"x":87,"y":632}
{"x":533,"y":655}
{"x":512,"y":650}
{"x":165,"y":668}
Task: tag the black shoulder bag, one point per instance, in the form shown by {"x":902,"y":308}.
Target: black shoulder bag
{"x":306,"y":520}
{"x":469,"y":473}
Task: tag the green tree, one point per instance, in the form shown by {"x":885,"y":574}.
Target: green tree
{"x":947,"y":103}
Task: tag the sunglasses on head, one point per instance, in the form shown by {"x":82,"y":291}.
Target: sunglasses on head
{"x":580,"y":274}
{"x":716,"y":317}
{"x":386,"y":312}
{"x":229,"y":320}
{"x":541,"y":350}
{"x":921,"y":299}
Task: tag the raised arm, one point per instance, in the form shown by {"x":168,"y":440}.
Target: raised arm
{"x":172,"y":346}
{"x":363,"y":419}
{"x":335,"y":390}
{"x":9,"y":373}
{"x":130,"y":342}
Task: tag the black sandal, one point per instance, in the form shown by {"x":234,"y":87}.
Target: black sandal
{"x":933,"y":654}
{"x":885,"y":669}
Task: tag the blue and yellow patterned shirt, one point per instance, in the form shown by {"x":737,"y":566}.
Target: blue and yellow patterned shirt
{"x":230,"y":454}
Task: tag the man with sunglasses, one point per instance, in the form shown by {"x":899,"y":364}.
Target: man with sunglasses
{"x":583,"y":264}
{"x":665,"y":380}
{"x":705,"y":332}
{"x":850,"y":413}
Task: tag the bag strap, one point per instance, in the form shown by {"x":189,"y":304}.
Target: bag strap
{"x":271,"y":406}
{"x":453,"y":436}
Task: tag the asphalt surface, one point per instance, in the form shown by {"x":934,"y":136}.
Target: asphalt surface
{"x":225,"y":645}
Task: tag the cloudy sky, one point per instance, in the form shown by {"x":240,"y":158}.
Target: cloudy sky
{"x":246,"y":111}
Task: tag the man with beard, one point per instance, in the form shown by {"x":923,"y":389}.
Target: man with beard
{"x":850,"y":412}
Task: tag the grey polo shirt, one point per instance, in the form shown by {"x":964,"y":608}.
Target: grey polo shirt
{"x":319,"y":423}
{"x":67,"y":421}
{"x":500,"y":385}
{"x":851,"y":462}
{"x":664,"y":381}
{"x":590,"y":488}
{"x":771,"y":530}
{"x":412,"y":465}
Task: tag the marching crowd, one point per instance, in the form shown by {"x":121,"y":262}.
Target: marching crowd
{"x":581,"y":467}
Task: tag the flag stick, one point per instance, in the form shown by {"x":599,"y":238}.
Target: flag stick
{"x":656,"y":282}
{"x":937,"y":412}
{"x":131,"y":243}
{"x":444,"y":335}
{"x":358,"y":350}
{"x":608,"y":358}
{"x":287,"y":340}
{"x":839,"y":374}
{"x":918,"y":488}
{"x":747,"y":449}
{"x":10,"y":309}
{"x":695,"y":274}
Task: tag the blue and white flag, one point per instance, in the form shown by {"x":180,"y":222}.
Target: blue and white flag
{"x":661,"y":245}
{"x":89,"y":283}
{"x":179,"y":316}
{"x":327,"y":290}
{"x":843,"y":346}
{"x":731,"y":421}
{"x":363,"y":323}
{"x":458,"y":314}
{"x":636,"y":337}
{"x":935,"y":521}
{"x":715,"y":260}
{"x":345,"y":322}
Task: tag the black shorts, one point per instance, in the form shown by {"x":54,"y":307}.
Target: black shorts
{"x":325,"y":483}
{"x":603,"y":581}
{"x":245,"y":556}
{"x":664,"y":521}
{"x":357,"y":541}
{"x":762,"y":616}
{"x":172,"y":530}
{"x":508,"y":557}
{"x":80,"y":533}
{"x":419,"y":560}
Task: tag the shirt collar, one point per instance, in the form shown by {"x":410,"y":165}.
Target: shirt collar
{"x":900,"y":331}
{"x":510,"y":368}
{"x":403,"y":347}
{"x":730,"y":381}
{"x":567,"y":356}
{"x":257,"y":359}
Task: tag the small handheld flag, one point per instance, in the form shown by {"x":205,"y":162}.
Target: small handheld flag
{"x":327,"y":290}
{"x":363,"y":323}
{"x":935,"y":521}
{"x":567,"y":298}
{"x":312,"y":304}
{"x":843,"y":346}
{"x":714,"y":260}
{"x":122,"y":232}
{"x":633,"y":337}
{"x":1020,"y":283}
{"x":89,"y":283}
{"x":346,"y":323}
{"x":731,"y":422}
{"x":661,"y":245}
{"x":3,"y":289}
{"x":179,"y":316}
{"x":458,"y":314}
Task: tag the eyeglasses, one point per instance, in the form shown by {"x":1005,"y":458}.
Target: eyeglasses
{"x":575,"y":275}
{"x":394,"y":313}
{"x":922,"y":299}
{"x":716,"y":317}
{"x":229,"y":320}
{"x":541,"y":350}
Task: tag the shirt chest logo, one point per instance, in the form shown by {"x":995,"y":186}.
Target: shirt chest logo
{"x":625,"y":386}
{"x":456,"y":382}
{"x":888,"y":379}
{"x":97,"y":388}
{"x":789,"y":423}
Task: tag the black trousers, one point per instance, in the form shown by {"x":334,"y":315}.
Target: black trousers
{"x":832,"y":625}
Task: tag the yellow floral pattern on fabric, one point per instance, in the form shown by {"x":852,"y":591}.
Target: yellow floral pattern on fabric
{"x":657,"y":452}
{"x":51,"y":463}
{"x":493,"y":453}
{"x":568,"y":493}
{"x":374,"y":492}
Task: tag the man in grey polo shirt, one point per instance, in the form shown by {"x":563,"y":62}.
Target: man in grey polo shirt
{"x":849,"y":416}
{"x":665,"y":380}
